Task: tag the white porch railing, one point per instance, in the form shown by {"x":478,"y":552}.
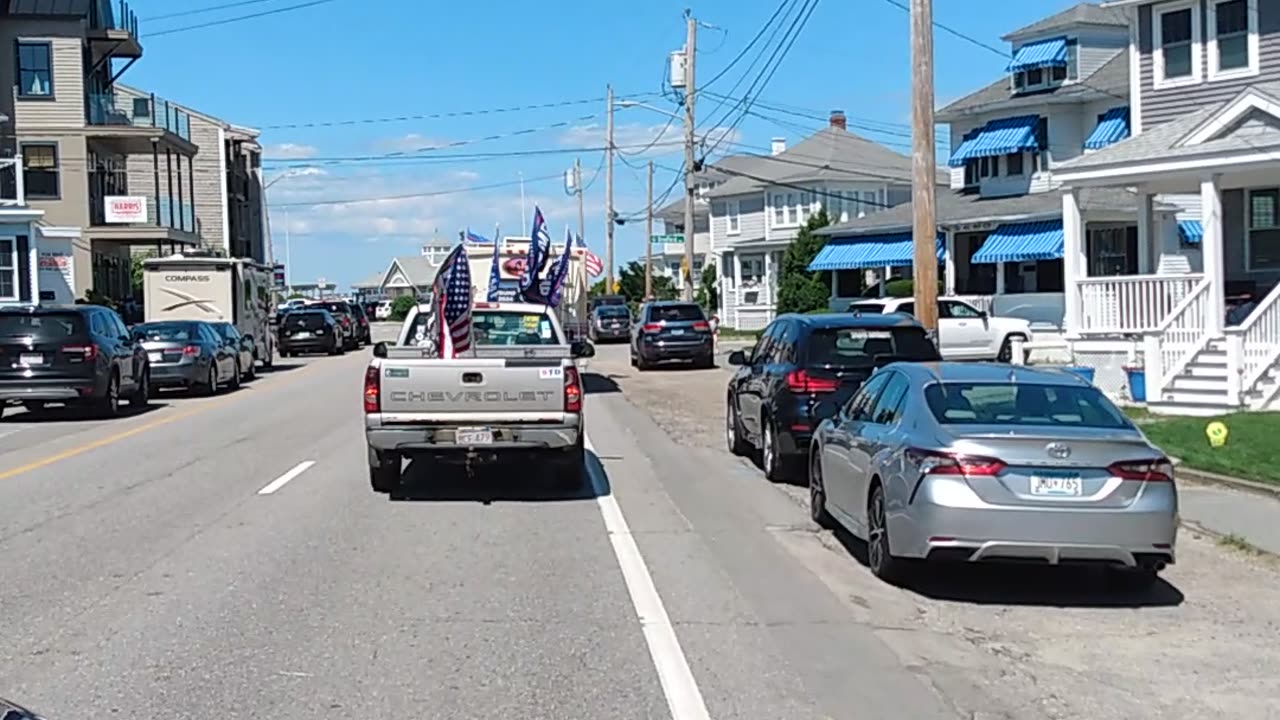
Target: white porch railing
{"x":749,"y":296}
{"x":11,"y":190}
{"x":1133,"y":303}
{"x":1176,"y":341}
{"x":1257,"y":342}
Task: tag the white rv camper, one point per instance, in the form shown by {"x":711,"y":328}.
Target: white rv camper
{"x":213,"y":289}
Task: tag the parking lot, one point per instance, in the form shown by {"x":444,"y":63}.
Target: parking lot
{"x":1020,"y":642}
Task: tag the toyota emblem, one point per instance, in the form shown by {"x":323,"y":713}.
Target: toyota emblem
{"x":1058,"y":450}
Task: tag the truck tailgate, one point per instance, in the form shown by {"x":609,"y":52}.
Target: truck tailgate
{"x":472,"y":386}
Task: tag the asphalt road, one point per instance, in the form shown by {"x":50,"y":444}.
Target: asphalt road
{"x":157,"y":566}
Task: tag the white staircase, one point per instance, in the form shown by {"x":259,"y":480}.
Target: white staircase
{"x":1200,"y":387}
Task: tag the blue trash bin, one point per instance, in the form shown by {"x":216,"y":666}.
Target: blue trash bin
{"x":1084,"y":372}
{"x":1137,"y":383}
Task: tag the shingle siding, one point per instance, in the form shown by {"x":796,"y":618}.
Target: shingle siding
{"x":1097,"y":47}
{"x":1162,"y":105}
{"x":66,"y":109}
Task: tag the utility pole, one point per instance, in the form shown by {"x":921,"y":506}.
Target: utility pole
{"x":577,"y":186}
{"x":608,"y":197}
{"x":648,"y":241}
{"x":690,"y":92}
{"x":924,"y":169}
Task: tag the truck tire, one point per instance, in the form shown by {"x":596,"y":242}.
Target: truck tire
{"x":384,"y":472}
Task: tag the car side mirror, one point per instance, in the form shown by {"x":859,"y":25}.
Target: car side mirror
{"x":380,"y":350}
{"x":737,"y":357}
{"x":582,"y":349}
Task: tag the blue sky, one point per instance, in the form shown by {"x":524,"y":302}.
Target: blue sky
{"x":369,"y":60}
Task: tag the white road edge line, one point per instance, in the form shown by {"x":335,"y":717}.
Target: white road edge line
{"x":281,"y":481}
{"x":684,"y":699}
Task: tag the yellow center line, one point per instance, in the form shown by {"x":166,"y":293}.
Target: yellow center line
{"x":159,"y":422}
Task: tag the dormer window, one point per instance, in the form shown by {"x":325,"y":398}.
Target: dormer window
{"x":1044,"y":64}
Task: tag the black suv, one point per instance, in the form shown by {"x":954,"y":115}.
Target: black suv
{"x":75,"y":355}
{"x":668,"y":330}
{"x":346,"y":317}
{"x":774,"y":399}
{"x":310,"y":331}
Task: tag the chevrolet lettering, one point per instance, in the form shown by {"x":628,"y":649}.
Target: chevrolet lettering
{"x":513,"y":395}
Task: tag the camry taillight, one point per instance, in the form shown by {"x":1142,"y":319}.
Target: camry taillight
{"x":933,"y":462}
{"x":372,"y":390}
{"x":572,"y":391}
{"x":1160,"y":470}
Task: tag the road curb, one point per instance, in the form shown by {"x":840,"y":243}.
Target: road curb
{"x":1207,"y":478}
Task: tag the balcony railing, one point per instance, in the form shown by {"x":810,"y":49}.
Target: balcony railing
{"x":1131,"y":304}
{"x":162,"y":210}
{"x":118,"y":16}
{"x":109,"y":109}
{"x":11,"y":192}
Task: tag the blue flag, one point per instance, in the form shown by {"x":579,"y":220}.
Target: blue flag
{"x":539,"y":246}
{"x":495,"y":276}
{"x":561,"y":271}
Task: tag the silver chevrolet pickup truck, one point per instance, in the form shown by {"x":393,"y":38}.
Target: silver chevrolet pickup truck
{"x":515,"y":395}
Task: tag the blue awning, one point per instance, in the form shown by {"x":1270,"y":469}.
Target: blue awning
{"x":1191,"y":231}
{"x":999,"y":137}
{"x":869,"y":251}
{"x":1022,"y":242}
{"x":1039,"y":54}
{"x":1112,"y":127}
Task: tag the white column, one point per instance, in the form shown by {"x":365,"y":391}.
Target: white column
{"x":1073,"y":258}
{"x":1146,"y":233}
{"x":1211,"y":250}
{"x":768,"y":276}
{"x":1000,"y":289}
{"x":835,"y":288}
{"x":949,"y":265}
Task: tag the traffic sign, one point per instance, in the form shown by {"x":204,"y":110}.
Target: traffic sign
{"x":664,"y":239}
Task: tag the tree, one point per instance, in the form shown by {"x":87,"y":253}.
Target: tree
{"x":630,"y":279}
{"x":799,"y":290}
{"x":708,"y":297}
{"x":401,"y":306}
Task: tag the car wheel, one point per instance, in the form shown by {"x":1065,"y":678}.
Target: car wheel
{"x":235,"y":377}
{"x":733,"y":431}
{"x":818,"y":495}
{"x":1006,"y":349}
{"x":385,"y":476}
{"x":141,"y":394}
{"x":283,"y":354}
{"x":336,"y":349}
{"x":211,"y":382}
{"x":109,"y":405}
{"x":252,"y":372}
{"x":707,"y":362}
{"x":770,"y":454}
{"x":880,"y":556}
{"x":633,"y":360}
{"x":269,"y":360}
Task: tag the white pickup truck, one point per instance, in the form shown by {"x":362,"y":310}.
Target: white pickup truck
{"x":516,"y":395}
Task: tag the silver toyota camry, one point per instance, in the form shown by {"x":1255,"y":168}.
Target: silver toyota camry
{"x":986,"y":462}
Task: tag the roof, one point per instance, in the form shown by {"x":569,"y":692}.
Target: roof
{"x":847,"y":320}
{"x":418,"y":270}
{"x":1082,"y":14}
{"x":955,"y":207}
{"x":1109,"y":80}
{"x":50,"y":7}
{"x":982,"y":372}
{"x":1165,"y":142}
{"x":829,"y":154}
{"x":372,"y":281}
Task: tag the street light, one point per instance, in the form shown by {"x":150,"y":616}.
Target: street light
{"x":288,"y":255}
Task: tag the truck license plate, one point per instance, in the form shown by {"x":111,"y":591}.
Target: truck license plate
{"x":474,"y":436}
{"x":31,"y":359}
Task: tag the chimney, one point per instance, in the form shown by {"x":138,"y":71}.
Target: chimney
{"x":837,"y":120}
{"x":778,"y":146}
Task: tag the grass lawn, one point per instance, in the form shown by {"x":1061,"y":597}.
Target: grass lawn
{"x":1248,"y":453}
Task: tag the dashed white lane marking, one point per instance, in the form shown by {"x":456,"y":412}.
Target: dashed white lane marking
{"x":684,"y":699}
{"x":284,"y":479}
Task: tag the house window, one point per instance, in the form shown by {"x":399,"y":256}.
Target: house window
{"x":777,"y":209}
{"x":1233,"y":47}
{"x":752,"y":269}
{"x":35,"y":70}
{"x":40,"y":171}
{"x":806,"y":206}
{"x":1014,"y":162}
{"x":970,"y":173}
{"x":1035,"y":77}
{"x":8,"y":269}
{"x":789,"y":208}
{"x":1073,"y":59}
{"x":735,"y":216}
{"x":869,"y":202}
{"x":1264,"y":230}
{"x":1177,"y":42}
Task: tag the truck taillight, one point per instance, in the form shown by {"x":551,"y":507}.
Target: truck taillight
{"x":372,"y":390}
{"x":572,"y":391}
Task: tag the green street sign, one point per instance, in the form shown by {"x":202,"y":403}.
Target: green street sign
{"x":664,"y":239}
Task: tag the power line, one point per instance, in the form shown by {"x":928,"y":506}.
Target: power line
{"x":741,"y":54}
{"x":240,"y":18}
{"x":456,"y":157}
{"x":201,"y":11}
{"x":411,"y":196}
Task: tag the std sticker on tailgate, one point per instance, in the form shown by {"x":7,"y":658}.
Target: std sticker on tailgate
{"x":550,"y":373}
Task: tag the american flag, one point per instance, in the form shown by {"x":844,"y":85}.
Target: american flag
{"x":595,"y":265}
{"x":454,"y":295}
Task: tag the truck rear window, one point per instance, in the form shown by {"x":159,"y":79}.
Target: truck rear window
{"x":862,"y":346}
{"x":508,"y":327}
{"x":42,"y":326}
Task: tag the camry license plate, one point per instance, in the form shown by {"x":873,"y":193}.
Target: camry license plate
{"x":302,"y":334}
{"x":1057,"y":485}
{"x":474,"y":436}
{"x":31,"y":359}
{"x":155,"y":356}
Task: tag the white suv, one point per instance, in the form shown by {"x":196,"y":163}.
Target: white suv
{"x":964,"y":332}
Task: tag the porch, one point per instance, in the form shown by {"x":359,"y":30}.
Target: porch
{"x":1202,"y":314}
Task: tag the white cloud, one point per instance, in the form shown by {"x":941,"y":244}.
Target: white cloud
{"x":289,"y":151}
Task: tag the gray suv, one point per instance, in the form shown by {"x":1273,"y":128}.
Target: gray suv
{"x":667,"y":331}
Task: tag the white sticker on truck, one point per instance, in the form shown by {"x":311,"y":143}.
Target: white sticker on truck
{"x":551,"y":373}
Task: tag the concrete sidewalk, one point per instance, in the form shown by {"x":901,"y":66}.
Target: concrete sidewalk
{"x":1252,"y":517}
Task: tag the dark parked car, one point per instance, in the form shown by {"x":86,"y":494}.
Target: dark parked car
{"x":311,"y":331}
{"x":188,"y":354}
{"x":774,"y":399}
{"x":76,"y":355}
{"x":610,"y":322}
{"x":363,"y":333}
{"x":242,"y":345}
{"x":667,"y":330}
{"x":342,"y":312}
